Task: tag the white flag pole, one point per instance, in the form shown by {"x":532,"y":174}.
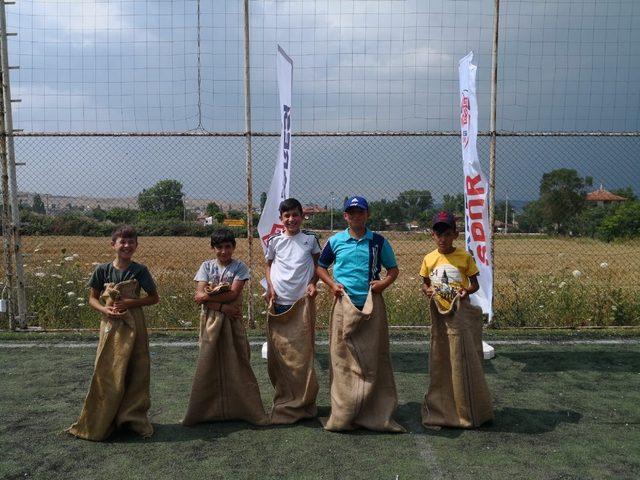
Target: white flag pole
{"x":279,"y":190}
{"x":478,"y":232}
{"x":269,"y":223}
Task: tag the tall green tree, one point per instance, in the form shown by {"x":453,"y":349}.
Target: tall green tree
{"x":453,"y":203}
{"x":532,"y":218}
{"x":212,"y":209}
{"x":38,"y":204}
{"x":165,"y":200}
{"x":561,"y":197}
{"x":415,"y":202}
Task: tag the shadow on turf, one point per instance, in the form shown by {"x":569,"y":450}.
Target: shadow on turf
{"x":174,"y":432}
{"x":543,"y":361}
{"x":507,"y":420}
{"x":403,"y":362}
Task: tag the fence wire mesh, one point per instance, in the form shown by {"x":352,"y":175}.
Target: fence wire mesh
{"x":564,"y":255}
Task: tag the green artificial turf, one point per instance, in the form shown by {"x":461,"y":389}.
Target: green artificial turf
{"x":562,"y":411}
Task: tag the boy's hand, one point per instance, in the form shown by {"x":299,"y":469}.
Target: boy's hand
{"x":271,"y":295}
{"x":378,"y":286}
{"x":428,"y":290}
{"x":114,"y":313}
{"x":337,"y":290}
{"x":124,"y":304}
{"x":312,"y":291}
{"x":463,"y":293}
{"x":201,"y":297}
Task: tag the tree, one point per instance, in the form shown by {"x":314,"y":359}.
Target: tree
{"x":415,"y":202}
{"x":500,"y":210}
{"x":121,"y":215}
{"x":213,"y":209}
{"x":453,"y":203}
{"x":531,"y":219}
{"x":263,"y":200}
{"x":624,"y":223}
{"x":38,"y":205}
{"x":561,"y":197}
{"x":164,"y":198}
{"x":625,"y":192}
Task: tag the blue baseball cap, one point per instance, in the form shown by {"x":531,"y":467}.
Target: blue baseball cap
{"x":356,"y":202}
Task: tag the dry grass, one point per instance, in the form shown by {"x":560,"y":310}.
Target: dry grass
{"x":527,"y":270}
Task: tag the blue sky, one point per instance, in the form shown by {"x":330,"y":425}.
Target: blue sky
{"x":358,"y":66}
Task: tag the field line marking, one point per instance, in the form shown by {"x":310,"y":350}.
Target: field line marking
{"x":256,"y":343}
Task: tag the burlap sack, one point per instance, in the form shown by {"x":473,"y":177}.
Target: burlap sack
{"x":363,"y":391}
{"x":291,"y":347}
{"x":119,"y":391}
{"x":224,"y":387}
{"x":458,"y":395}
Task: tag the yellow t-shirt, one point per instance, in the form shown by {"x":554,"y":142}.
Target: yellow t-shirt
{"x":448,"y":273}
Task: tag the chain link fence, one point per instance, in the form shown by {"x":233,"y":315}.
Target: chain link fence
{"x":105,"y":86}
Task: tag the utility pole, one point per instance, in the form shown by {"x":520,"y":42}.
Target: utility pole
{"x":6,"y":131}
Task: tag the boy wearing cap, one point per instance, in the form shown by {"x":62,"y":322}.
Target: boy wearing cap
{"x":363,"y":391}
{"x":458,"y":395}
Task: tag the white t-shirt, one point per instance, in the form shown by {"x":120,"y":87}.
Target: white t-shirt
{"x":292,"y":268}
{"x":212,"y":271}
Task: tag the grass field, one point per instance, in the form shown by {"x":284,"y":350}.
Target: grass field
{"x":562,"y":411}
{"x":534,"y":280}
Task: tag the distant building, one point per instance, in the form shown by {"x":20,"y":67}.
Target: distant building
{"x":311,"y":210}
{"x":602,"y":197}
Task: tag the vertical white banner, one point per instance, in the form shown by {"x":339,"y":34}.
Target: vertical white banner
{"x":279,"y":190}
{"x":476,"y":187}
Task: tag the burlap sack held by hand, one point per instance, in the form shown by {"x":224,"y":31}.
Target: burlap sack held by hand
{"x":363,"y":390}
{"x":291,"y":347}
{"x":224,"y":387}
{"x":119,"y":392}
{"x":458,"y":395}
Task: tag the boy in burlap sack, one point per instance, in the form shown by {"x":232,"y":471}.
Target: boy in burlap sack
{"x":224,"y":387}
{"x":118,"y":395}
{"x":458,"y":395}
{"x":291,"y":258}
{"x":363,"y":390}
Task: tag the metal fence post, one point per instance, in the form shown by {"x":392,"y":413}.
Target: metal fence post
{"x":492,"y":133}
{"x":20,"y":290}
{"x":247,"y":132}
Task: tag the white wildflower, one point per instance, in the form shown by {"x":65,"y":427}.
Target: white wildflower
{"x":576,"y":273}
{"x":40,"y":274}
{"x":69,"y":259}
{"x":36,"y":250}
{"x":70,"y":282}
{"x":81,"y":304}
{"x":184,"y":324}
{"x":65,"y":307}
{"x":562,"y":284}
{"x":49,"y":261}
{"x":614,"y":308}
{"x":173,"y":297}
{"x":71,"y":294}
{"x":58,"y":264}
{"x":75,"y":255}
{"x":263,"y":312}
{"x":59,"y":285}
{"x":604,"y":265}
{"x":55,"y":275}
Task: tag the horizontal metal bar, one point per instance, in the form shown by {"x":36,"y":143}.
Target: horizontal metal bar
{"x":321,"y":134}
{"x":14,"y":67}
{"x":11,"y":34}
{"x":16,"y":100}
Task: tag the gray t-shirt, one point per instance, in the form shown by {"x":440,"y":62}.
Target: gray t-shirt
{"x":107,"y":273}
{"x":212,"y":271}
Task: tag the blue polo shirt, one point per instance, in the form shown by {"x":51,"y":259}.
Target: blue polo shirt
{"x":357,"y":262}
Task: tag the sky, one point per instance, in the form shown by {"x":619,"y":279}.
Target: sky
{"x":359,"y":65}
